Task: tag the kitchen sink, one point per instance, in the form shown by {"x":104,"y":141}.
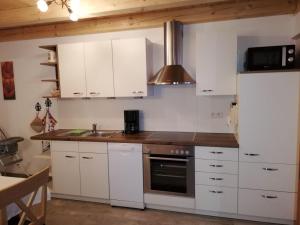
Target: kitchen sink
{"x":89,"y":133}
{"x":105,"y":134}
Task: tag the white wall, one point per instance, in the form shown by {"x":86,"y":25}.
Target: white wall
{"x":171,"y":108}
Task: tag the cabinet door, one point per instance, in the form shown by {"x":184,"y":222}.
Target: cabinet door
{"x":130,"y":67}
{"x":268,"y":117}
{"x":263,"y":176}
{"x":65,"y":172}
{"x":219,"y":199}
{"x":259,"y":203}
{"x":94,"y":175}
{"x":99,"y":69}
{"x":72,"y":70}
{"x":216,"y":65}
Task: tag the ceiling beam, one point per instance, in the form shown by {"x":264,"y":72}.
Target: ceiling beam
{"x":89,"y":8}
{"x":193,"y":14}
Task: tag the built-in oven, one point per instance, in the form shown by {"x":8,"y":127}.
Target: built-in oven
{"x":169,"y":169}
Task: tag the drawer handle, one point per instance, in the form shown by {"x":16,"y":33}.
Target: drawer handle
{"x":70,"y":157}
{"x":216,"y":192}
{"x":213,"y":152}
{"x":215,"y":178}
{"x":77,"y":93}
{"x":269,"y":196}
{"x":140,"y":92}
{"x":134,"y":92}
{"x":218,"y":166}
{"x":94,"y":93}
{"x":207,"y":90}
{"x":269,"y":169}
{"x":251,"y":154}
{"x":87,"y":157}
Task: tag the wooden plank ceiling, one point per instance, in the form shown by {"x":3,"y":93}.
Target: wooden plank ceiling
{"x":20,"y":19}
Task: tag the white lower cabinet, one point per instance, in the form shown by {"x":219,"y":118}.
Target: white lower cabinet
{"x":65,"y":173}
{"x":80,"y":169}
{"x":218,"y":199}
{"x":263,"y":176}
{"x":216,"y":166}
{"x":94,"y":175}
{"x":270,"y":204}
{"x":216,"y":179}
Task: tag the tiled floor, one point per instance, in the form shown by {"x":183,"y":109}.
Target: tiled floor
{"x":65,"y":212}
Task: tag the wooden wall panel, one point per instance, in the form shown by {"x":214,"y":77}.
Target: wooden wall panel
{"x":193,"y":14}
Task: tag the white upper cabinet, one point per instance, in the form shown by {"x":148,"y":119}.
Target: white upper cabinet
{"x":130,"y":67}
{"x":216,"y":62}
{"x":99,"y":69}
{"x":72,"y":70}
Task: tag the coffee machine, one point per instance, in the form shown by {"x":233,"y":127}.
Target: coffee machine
{"x":131,"y":121}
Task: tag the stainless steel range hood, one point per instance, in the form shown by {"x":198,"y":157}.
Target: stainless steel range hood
{"x":173,"y":72}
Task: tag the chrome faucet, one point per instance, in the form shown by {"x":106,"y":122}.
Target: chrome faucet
{"x":94,"y":128}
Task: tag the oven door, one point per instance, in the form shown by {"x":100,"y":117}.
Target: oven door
{"x":173,"y":175}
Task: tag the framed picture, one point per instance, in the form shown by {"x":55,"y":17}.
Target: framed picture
{"x":8,"y":82}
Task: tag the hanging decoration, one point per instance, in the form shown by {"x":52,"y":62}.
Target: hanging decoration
{"x":48,"y":122}
{"x":8,"y":82}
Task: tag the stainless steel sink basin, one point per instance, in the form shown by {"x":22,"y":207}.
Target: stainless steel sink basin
{"x":87,"y":133}
{"x":105,"y":134}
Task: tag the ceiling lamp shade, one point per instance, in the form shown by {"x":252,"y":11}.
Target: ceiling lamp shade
{"x":72,"y":6}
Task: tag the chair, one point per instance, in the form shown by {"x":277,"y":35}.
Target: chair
{"x":16,"y":193}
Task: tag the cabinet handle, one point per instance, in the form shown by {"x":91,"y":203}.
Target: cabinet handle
{"x":70,"y":157}
{"x":251,"y":154}
{"x":140,"y":92}
{"x":207,"y":90}
{"x":77,"y":93}
{"x":269,"y":196}
{"x":216,"y":192}
{"x":134,"y":92}
{"x":213,"y":165}
{"x":213,"y":152}
{"x":270,"y":169}
{"x":84,"y":157}
{"x":94,"y":93}
{"x":214,"y":178}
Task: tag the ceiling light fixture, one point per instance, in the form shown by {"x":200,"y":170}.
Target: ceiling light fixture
{"x":71,"y":5}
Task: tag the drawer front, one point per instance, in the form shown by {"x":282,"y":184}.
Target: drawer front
{"x":217,"y":153}
{"x":276,"y":177}
{"x":64,"y":146}
{"x":216,"y":179}
{"x":219,"y":199}
{"x":93,"y":147}
{"x":215,"y":166}
{"x":279,"y":205}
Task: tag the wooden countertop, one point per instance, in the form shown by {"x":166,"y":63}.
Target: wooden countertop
{"x":151,"y":137}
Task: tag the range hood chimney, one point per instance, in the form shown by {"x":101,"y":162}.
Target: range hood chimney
{"x":173,"y":72}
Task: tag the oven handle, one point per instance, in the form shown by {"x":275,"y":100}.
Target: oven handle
{"x":169,"y":159}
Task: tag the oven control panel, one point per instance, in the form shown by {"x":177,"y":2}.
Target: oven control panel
{"x":169,"y":150}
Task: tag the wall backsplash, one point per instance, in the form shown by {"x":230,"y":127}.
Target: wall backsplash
{"x":170,"y":109}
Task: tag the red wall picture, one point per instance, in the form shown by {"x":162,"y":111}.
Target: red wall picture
{"x":8,"y":82}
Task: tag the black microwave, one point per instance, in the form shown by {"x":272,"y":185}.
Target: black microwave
{"x":270,"y":58}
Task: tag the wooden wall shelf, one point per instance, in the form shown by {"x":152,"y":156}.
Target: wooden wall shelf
{"x":55,"y":65}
